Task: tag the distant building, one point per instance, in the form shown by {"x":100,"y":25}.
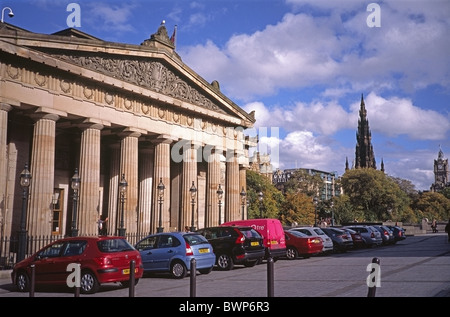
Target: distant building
{"x":441,"y":173}
{"x":261,"y":164}
{"x":364,"y":154}
{"x":329,"y":190}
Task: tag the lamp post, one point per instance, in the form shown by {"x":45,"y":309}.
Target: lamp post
{"x":260,"y":197}
{"x":122,"y":188}
{"x":219,"y":196}
{"x":193,"y":191}
{"x":25,"y":179}
{"x":161,"y":188}
{"x":10,"y":14}
{"x":75,"y":184}
{"x":332,"y":213}
{"x":243,"y":194}
{"x":315,"y":200}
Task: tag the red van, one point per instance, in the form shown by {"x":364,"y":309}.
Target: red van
{"x":271,"y":230}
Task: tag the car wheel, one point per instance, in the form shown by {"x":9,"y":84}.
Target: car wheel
{"x":23,"y":282}
{"x":178,"y":270}
{"x":250,"y":263}
{"x":225,"y":262}
{"x":127,"y":283}
{"x":88,"y":283}
{"x":206,"y":271}
{"x":291,"y":253}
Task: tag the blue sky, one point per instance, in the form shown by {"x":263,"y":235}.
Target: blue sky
{"x":302,"y":65}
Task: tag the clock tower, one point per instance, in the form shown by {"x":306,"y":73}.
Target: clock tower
{"x":441,"y":173}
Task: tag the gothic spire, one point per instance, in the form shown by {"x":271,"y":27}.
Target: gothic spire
{"x":364,"y":154}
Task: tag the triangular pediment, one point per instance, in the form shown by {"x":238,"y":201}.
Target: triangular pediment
{"x":156,"y":68}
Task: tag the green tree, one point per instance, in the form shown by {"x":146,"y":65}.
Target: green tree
{"x":376,"y":195}
{"x":432,"y":206}
{"x":302,"y":181}
{"x":272,"y":198}
{"x":297,"y":209}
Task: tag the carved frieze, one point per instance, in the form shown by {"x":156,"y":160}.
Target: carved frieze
{"x":147,"y":74}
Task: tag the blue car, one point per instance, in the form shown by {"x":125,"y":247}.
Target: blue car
{"x":172,"y":252}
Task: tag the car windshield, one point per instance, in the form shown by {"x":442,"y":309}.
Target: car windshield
{"x":114,"y":245}
{"x":298,"y":234}
{"x":195,"y":239}
{"x":319,"y":231}
{"x":250,"y":233}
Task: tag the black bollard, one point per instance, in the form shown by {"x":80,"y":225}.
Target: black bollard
{"x":270,"y":277}
{"x":33,"y":277}
{"x":193,"y":277}
{"x":373,"y":289}
{"x":132,"y":278}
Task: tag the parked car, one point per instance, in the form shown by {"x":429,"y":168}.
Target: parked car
{"x":398,"y":232}
{"x":103,"y":260}
{"x":172,"y":252}
{"x":234,"y":245}
{"x":370,"y":235}
{"x":272,"y":232}
{"x":317,"y":232}
{"x":358,"y":241}
{"x":342,"y":241}
{"x":386,"y":234}
{"x":300,"y":245}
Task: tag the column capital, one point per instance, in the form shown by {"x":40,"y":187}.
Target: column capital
{"x":164,"y":139}
{"x":5,"y":107}
{"x":47,"y":113}
{"x":131,"y":132}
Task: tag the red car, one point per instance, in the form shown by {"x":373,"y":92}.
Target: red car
{"x":102,"y":260}
{"x":299,"y":244}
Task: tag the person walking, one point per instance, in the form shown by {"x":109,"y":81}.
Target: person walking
{"x":102,"y":225}
{"x":447,"y":229}
{"x":434,"y":226}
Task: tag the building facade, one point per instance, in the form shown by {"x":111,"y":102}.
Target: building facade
{"x":329,"y":189}
{"x":70,"y":101}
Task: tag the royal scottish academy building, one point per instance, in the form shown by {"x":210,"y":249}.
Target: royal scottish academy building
{"x":110,"y":113}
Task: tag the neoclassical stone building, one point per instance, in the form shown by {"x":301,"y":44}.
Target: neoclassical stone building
{"x":70,"y":101}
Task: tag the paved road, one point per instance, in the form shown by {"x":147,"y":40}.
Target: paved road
{"x":416,"y":267}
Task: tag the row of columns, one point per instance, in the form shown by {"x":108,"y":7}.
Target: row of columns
{"x":143,"y":168}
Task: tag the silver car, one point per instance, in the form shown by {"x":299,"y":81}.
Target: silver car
{"x":371,"y":236}
{"x":317,"y":232}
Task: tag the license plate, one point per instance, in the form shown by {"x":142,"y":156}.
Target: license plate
{"x":204,"y":250}
{"x":274,"y":242}
{"x":254,"y":243}
{"x":127,"y":271}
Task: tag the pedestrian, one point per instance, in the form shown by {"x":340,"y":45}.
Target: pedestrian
{"x":433,"y":226}
{"x":102,"y":225}
{"x":447,"y":229}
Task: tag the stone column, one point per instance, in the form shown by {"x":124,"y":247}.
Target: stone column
{"x":189,"y":178}
{"x":232,"y":187}
{"x":243,"y":185}
{"x":89,"y":171}
{"x":129,"y":168}
{"x":146,"y":162}
{"x":4,"y":109}
{"x":42,"y":169}
{"x":161,"y":173}
{"x":113,"y":202}
{"x":212,"y":184}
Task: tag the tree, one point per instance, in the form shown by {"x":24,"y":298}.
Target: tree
{"x":302,"y":181}
{"x":270,"y":205}
{"x":432,"y":206}
{"x":377,"y":196}
{"x":297,"y":209}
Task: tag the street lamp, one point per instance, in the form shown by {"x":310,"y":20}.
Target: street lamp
{"x":260,"y":197}
{"x":10,"y":14}
{"x":75,"y":186}
{"x":122,"y":188}
{"x":332,"y":213}
{"x":193,"y":191}
{"x":219,"y":196}
{"x":161,"y":188}
{"x":243,"y":194}
{"x":315,"y":200}
{"x":25,"y":179}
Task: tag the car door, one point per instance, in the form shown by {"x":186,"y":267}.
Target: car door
{"x":48,"y":264}
{"x":164,"y":252}
{"x":146,"y":248}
